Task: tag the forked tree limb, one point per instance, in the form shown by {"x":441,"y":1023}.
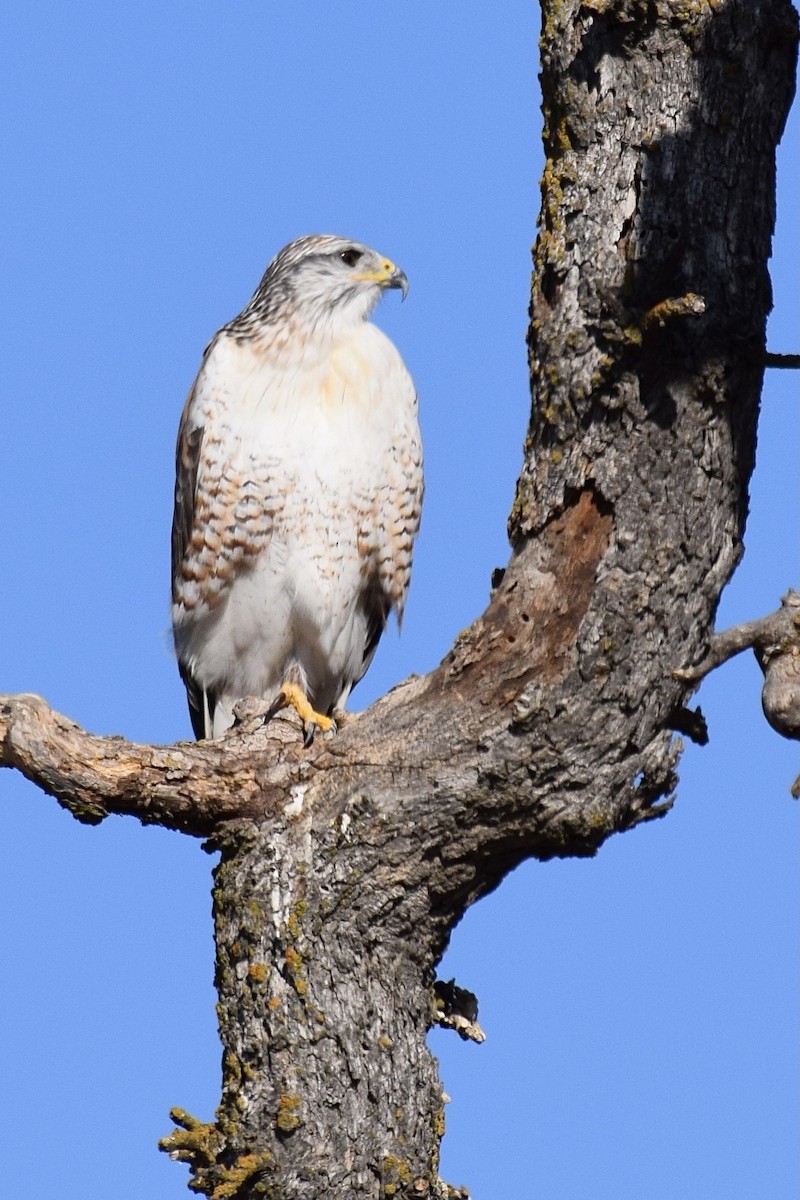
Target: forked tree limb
{"x":448,"y":728}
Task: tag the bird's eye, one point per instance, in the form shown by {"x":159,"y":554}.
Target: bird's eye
{"x":350,"y":257}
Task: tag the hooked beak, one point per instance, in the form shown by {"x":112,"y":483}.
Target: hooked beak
{"x":397,"y":279}
{"x":388,"y":276}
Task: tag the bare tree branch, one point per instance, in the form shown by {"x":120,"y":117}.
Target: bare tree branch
{"x":770,"y":636}
{"x":190,"y":787}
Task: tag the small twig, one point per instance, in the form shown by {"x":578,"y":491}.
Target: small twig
{"x":788,"y":362}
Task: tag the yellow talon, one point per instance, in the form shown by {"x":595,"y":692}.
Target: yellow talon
{"x":292,"y":696}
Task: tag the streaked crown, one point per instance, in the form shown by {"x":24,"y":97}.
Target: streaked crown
{"x":319,"y":278}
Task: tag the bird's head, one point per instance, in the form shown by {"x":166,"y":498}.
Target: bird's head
{"x":325,"y":280}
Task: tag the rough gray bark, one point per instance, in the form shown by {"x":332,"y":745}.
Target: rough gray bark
{"x":549,"y":726}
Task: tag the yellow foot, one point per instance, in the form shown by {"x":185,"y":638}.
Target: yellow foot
{"x":292,"y":696}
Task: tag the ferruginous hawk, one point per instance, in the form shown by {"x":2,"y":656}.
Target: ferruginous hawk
{"x":298,"y":491}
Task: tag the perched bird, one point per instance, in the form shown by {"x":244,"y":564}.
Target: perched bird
{"x":298,"y":491}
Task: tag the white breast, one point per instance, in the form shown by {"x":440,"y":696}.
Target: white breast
{"x":326,"y":439}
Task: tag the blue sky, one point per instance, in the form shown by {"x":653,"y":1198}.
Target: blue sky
{"x":640,"y":1007}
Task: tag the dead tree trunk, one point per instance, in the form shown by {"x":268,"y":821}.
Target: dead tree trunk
{"x":550,"y":725}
